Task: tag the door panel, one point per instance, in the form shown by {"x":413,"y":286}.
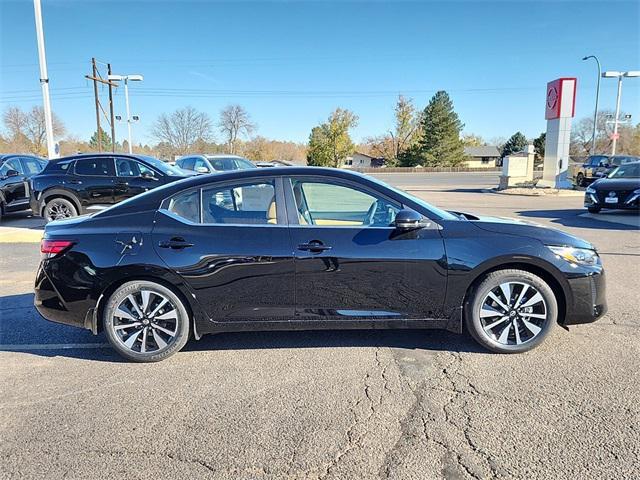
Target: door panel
{"x":238,"y":272}
{"x":350,"y":261}
{"x":13,"y":187}
{"x":129,"y":181}
{"x":93,"y":180}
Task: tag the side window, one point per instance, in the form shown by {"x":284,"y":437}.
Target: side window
{"x":102,"y":167}
{"x":186,"y":205}
{"x":125,"y":167}
{"x":31,"y":165}
{"x":187,"y":163}
{"x":12,"y":164}
{"x":144,"y":170}
{"x":201,"y":166}
{"x":222,"y":164}
{"x":246,"y":204}
{"x":328,"y":204}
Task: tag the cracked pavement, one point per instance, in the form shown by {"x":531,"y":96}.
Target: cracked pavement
{"x":332,"y":405}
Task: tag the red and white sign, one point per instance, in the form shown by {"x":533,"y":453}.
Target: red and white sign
{"x":561,"y":98}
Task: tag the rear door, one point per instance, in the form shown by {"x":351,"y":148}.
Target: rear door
{"x":351,"y":262}
{"x":230,"y":243}
{"x":93,"y":179}
{"x":13,"y":187}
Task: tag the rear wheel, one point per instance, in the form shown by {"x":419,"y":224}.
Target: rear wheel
{"x":59,"y":208}
{"x":146,"y":322}
{"x":593,"y":209}
{"x":511,"y":311}
{"x":580,"y":180}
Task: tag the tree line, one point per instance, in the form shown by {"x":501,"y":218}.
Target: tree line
{"x":429,"y":137}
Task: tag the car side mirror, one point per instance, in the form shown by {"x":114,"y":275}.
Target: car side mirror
{"x":407,"y":219}
{"x":147,"y":176}
{"x":202,"y":170}
{"x":12,"y":173}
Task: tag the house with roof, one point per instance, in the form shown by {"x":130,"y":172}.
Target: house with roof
{"x":484,"y":156}
{"x":362,"y":160}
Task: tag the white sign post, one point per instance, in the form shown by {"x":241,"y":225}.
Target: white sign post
{"x":561,"y":102}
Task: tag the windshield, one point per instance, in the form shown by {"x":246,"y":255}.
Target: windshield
{"x":162,"y":166}
{"x":630,"y":170}
{"x":440,"y":213}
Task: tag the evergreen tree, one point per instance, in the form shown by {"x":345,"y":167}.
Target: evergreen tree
{"x":104,"y":137}
{"x":440,"y":127}
{"x":538,"y":145}
{"x":516,"y":143}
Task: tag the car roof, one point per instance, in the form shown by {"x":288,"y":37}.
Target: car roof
{"x":97,"y":154}
{"x":222,"y":155}
{"x":4,"y":156}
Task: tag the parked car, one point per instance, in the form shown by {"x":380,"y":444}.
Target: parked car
{"x":79,"y":184}
{"x":618,"y":190}
{"x":203,"y":164}
{"x":309,"y":248}
{"x":598,"y":166}
{"x":15,"y":169}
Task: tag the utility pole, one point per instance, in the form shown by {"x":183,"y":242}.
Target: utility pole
{"x":97,"y":100}
{"x":615,"y":121}
{"x":113,"y":123}
{"x":44,"y":81}
{"x":595,"y":113}
{"x":97,"y":78}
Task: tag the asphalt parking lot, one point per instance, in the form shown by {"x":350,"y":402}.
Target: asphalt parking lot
{"x":346,"y":404}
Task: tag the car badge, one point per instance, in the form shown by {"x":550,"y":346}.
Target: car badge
{"x":612,"y":194}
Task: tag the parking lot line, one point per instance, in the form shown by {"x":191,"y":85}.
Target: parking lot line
{"x":50,"y":346}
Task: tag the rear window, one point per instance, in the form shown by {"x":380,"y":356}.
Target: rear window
{"x":95,"y":167}
{"x":58,"y":167}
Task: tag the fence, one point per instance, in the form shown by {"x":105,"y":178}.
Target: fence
{"x":424,"y":169}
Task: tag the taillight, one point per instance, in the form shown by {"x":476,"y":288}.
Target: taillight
{"x":53,"y":247}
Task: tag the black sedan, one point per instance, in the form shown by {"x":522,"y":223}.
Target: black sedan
{"x":308,"y":248}
{"x":619,"y":190}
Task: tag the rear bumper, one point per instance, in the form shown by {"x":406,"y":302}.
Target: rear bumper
{"x":589,"y":299}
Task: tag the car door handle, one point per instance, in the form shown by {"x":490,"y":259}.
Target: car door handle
{"x":74,"y":182}
{"x":175,"y":243}
{"x":314,"y":246}
{"x":122,"y":184}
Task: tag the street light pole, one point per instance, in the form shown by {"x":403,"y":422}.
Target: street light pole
{"x":44,"y":82}
{"x":595,"y":113}
{"x":126,"y":78}
{"x":615,"y":121}
{"x":126,"y":100}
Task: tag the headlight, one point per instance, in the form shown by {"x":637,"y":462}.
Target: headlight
{"x":591,"y":190}
{"x":579,"y":256}
{"x":637,"y":191}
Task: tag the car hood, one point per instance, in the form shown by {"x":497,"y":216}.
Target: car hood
{"x":525,"y":228}
{"x":616,"y":184}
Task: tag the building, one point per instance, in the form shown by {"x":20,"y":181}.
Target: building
{"x":485,"y":156}
{"x":362,"y":160}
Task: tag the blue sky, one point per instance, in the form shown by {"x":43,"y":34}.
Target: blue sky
{"x":291,"y":63}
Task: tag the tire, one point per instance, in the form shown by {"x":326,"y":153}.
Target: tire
{"x":530,"y":298}
{"x":580,"y":180}
{"x":593,"y":209}
{"x":161,"y":325}
{"x":59,"y":208}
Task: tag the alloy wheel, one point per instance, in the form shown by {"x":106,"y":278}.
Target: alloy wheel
{"x":146,"y":322}
{"x":513,"y":313}
{"x":58,"y":210}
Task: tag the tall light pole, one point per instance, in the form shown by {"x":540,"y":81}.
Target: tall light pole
{"x":616,"y":120}
{"x":595,"y":113}
{"x":44,"y":82}
{"x":126,"y":79}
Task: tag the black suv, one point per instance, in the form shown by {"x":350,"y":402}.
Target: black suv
{"x":72,"y":186}
{"x":599,"y":166}
{"x":15,"y":169}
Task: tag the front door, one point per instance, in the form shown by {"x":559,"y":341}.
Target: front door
{"x":351,"y":262}
{"x":230,"y":243}
{"x":132,"y":178}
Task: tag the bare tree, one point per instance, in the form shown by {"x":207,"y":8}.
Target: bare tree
{"x":235,"y":122}
{"x":28,"y":129}
{"x":183,"y":129}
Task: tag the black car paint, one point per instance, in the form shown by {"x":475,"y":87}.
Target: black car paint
{"x":87,"y":191}
{"x":14,"y":191}
{"x":254,"y":277}
{"x":622,"y":188}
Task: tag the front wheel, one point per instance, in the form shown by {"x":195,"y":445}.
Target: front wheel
{"x":580,"y":180}
{"x":593,"y":209}
{"x":59,"y":208}
{"x":511,"y":311}
{"x":145,"y":321}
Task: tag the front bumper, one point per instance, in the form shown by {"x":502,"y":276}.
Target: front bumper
{"x":589,"y":299}
{"x":630,"y":201}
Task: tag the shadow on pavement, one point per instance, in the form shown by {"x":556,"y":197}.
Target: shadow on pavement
{"x":22,"y":329}
{"x":572,"y":218}
{"x":22,"y":220}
